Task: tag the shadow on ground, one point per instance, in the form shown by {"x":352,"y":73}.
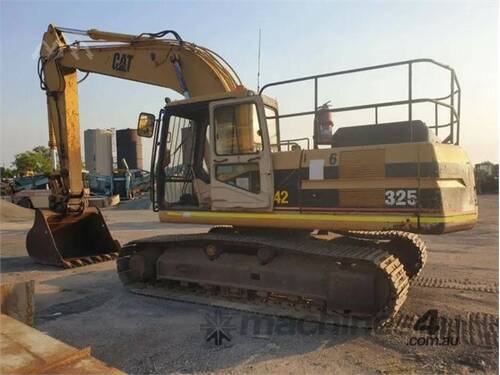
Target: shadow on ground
{"x":139,"y":334}
{"x":23,"y":264}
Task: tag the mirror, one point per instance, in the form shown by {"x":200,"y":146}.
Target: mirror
{"x":146,"y":125}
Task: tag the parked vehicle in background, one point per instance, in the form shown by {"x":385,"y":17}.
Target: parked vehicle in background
{"x":32,"y":198}
{"x":29,"y":191}
{"x":486,"y":174}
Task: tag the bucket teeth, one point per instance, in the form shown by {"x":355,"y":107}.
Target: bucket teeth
{"x":78,"y":262}
{"x":83,"y":261}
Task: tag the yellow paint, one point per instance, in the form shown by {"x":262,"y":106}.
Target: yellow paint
{"x":381,"y":183}
{"x":351,"y":217}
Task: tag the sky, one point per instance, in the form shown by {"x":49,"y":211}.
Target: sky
{"x":298,"y":39}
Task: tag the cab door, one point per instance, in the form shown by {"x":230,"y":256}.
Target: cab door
{"x":241,"y":173}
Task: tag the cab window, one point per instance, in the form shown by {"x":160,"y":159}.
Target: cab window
{"x":237,"y":130}
{"x":272,"y":127}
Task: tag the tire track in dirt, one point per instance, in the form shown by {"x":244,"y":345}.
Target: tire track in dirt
{"x":476,"y":286}
{"x":473,"y":328}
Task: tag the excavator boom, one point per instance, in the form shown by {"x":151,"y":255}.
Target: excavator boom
{"x":60,"y":235}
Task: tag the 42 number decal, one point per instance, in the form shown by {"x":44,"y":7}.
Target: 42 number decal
{"x":401,"y":197}
{"x":281,"y":197}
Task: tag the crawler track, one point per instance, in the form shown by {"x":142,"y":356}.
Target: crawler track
{"x":409,"y":248}
{"x":363,"y":257}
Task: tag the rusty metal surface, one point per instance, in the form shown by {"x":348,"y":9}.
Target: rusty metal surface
{"x":17,"y":300}
{"x":71,"y":240}
{"x":28,"y":351}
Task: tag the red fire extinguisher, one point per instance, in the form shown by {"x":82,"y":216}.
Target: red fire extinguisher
{"x":323,"y":125}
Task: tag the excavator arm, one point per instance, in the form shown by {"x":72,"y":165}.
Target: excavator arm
{"x":71,"y":233}
{"x":184,"y":67}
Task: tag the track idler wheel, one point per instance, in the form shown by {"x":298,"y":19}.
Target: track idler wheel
{"x":136,"y":265}
{"x":141,"y":268}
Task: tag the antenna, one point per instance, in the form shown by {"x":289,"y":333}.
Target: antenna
{"x":258,"y":64}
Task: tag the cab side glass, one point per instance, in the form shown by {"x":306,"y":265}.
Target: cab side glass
{"x":146,"y":125}
{"x":237,"y":130}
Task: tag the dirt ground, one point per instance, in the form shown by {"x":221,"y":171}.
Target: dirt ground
{"x":89,"y":307}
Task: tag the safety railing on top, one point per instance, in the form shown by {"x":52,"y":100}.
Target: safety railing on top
{"x":450,"y":102}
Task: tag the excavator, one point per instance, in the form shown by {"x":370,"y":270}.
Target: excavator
{"x":324,"y":233}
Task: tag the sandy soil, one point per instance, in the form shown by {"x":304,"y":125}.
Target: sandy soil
{"x":10,"y":212}
{"x":89,"y":307}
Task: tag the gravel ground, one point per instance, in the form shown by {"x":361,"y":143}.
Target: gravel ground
{"x":88,"y":307}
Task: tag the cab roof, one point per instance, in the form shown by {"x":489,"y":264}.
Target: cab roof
{"x":239,"y":92}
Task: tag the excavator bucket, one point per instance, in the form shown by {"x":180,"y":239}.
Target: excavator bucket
{"x":70,"y":240}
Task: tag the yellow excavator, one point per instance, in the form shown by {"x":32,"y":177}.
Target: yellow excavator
{"x":328,"y":232}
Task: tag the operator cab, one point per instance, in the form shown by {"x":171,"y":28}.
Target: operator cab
{"x":201,"y":167}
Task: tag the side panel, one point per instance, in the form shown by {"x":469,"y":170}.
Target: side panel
{"x":418,"y":187}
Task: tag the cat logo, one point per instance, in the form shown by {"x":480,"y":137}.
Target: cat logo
{"x":122,"y":62}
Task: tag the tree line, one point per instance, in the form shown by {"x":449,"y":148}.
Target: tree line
{"x":35,"y":161}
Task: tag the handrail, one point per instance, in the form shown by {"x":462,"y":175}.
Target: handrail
{"x":357,"y":70}
{"x":368,"y":106}
{"x":288,"y":142}
{"x":152,"y":168}
{"x":455,"y":90}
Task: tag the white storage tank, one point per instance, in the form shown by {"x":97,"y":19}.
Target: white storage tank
{"x":99,"y":151}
